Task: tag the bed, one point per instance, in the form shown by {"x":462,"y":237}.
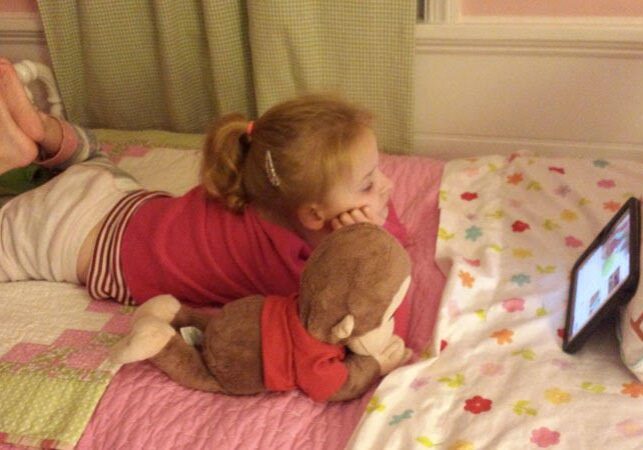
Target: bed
{"x":492,"y":240}
{"x":139,"y":406}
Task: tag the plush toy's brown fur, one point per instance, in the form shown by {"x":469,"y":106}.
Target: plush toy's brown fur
{"x":347,"y":287}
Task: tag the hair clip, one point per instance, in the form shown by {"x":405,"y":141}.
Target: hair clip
{"x":249,"y":127}
{"x":270,"y":170}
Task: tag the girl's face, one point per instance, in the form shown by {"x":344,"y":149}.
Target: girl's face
{"x":366,"y":185}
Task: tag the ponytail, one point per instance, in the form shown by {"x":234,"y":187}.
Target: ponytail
{"x":292,"y":153}
{"x":224,"y":151}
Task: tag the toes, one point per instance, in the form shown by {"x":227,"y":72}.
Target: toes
{"x":16,"y":149}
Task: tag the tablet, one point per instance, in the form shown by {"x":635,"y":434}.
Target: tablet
{"x":605,"y":276}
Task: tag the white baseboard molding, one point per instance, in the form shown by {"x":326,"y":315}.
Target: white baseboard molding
{"x":559,"y":38}
{"x":21,"y":28}
{"x":460,"y":146}
{"x":22,"y":37}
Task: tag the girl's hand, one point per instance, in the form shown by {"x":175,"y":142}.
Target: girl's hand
{"x":353,"y":216}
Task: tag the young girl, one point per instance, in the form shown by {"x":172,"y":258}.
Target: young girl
{"x":270,"y":190}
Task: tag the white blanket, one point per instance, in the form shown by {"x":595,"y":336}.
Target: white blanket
{"x":510,"y":231}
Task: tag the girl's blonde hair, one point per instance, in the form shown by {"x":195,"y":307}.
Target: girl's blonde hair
{"x":293,"y":153}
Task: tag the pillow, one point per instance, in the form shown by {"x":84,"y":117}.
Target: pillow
{"x":631,"y":332}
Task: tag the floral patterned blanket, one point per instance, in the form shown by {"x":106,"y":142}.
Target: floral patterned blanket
{"x":495,"y":376}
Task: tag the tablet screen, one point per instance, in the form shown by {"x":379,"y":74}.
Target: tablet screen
{"x":601,"y":274}
{"x":605,"y":276}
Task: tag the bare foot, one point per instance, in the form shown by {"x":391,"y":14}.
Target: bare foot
{"x":16,"y":148}
{"x":24,"y":114}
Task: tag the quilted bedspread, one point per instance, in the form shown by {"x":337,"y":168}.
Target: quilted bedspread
{"x":54,"y":343}
{"x":140,"y":407}
{"x":510,"y":231}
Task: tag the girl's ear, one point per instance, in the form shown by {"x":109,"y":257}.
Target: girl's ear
{"x":311,"y":216}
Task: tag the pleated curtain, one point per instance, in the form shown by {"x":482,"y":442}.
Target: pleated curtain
{"x":177,"y":64}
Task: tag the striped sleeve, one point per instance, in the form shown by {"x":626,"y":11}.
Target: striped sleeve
{"x":78,"y":145}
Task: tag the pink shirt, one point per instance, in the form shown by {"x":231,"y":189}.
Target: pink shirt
{"x":195,"y":249}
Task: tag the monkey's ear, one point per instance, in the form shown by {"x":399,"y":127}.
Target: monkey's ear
{"x":343,"y":329}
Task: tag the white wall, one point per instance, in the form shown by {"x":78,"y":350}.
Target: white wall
{"x":552,"y":88}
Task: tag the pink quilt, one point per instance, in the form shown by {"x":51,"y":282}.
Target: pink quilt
{"x":142,"y":408}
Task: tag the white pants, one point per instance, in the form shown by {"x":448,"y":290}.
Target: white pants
{"x":41,"y":231}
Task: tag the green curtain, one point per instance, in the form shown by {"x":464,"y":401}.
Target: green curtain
{"x":174,"y":65}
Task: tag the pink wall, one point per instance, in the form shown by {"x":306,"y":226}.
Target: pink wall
{"x":552,"y":8}
{"x":18,"y":6}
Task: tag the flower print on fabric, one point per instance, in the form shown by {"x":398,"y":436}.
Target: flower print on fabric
{"x":630,"y":428}
{"x":477,"y":405}
{"x":468,"y":196}
{"x":466,"y":279}
{"x":491,"y":369}
{"x":544,"y":437}
{"x":606,"y":184}
{"x":503,"y":336}
{"x":519,"y":226}
{"x":562,"y":190}
{"x":611,"y":206}
{"x":557,"y":396}
{"x":573,"y":242}
{"x":473,"y":233}
{"x":632,"y":389}
{"x":514,"y":304}
{"x":515,"y":178}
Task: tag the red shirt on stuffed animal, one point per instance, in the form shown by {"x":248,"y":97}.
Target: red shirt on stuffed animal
{"x":292,"y":358}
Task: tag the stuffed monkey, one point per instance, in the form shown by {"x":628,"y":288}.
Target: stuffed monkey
{"x":331,"y":340}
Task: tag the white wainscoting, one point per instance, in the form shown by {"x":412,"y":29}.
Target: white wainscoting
{"x":551,"y":88}
{"x":22,"y":37}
